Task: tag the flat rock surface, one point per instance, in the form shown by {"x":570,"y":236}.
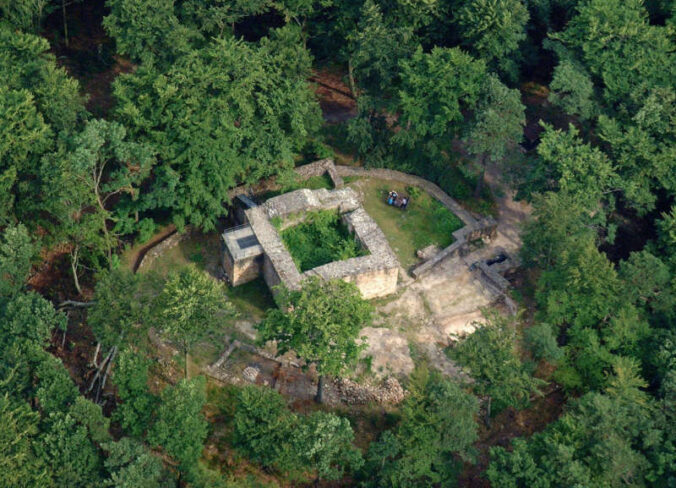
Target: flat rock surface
{"x":389,"y":352}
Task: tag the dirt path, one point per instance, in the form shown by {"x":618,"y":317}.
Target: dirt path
{"x":334,"y":96}
{"x":511,"y":214}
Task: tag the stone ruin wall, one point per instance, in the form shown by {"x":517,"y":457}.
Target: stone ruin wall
{"x":318,"y":168}
{"x":484,"y":228}
{"x":374,"y":283}
{"x":169,"y":242}
{"x":244,"y":270}
{"x":375,"y":274}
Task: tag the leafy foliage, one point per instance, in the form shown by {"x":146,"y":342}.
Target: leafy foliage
{"x":130,"y":465}
{"x":270,"y":434}
{"x":180,"y":428}
{"x":230,"y":101}
{"x":493,"y":29}
{"x":320,"y":323}
{"x":136,"y":406}
{"x":604,"y":440}
{"x":191,"y":306}
{"x":19,"y":466}
{"x":492,"y":360}
{"x":436,"y":430}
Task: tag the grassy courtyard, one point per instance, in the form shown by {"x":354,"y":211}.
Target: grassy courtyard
{"x":424,"y":222}
{"x":320,"y":239}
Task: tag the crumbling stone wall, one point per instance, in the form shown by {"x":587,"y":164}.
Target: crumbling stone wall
{"x":484,"y":228}
{"x":319,"y":168}
{"x":375,"y":274}
{"x":160,"y":248}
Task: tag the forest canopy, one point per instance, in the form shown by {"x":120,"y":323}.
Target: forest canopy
{"x":124,"y":122}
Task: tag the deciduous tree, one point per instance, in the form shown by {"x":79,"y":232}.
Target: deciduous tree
{"x":321,"y":323}
{"x":130,"y":464}
{"x":247,"y":104}
{"x":180,"y":428}
{"x":191,"y":305}
{"x":436,"y":431}
{"x":493,"y":30}
{"x":498,"y":125}
{"x":492,"y":360}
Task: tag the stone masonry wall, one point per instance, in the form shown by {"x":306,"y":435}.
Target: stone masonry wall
{"x":246,"y":270}
{"x":486,"y":227}
{"x":170,"y":242}
{"x":375,"y":274}
{"x":318,"y":168}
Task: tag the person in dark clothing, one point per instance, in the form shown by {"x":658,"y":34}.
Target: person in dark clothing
{"x":404,"y":203}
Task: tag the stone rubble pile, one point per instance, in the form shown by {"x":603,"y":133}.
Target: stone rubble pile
{"x":352,"y":393}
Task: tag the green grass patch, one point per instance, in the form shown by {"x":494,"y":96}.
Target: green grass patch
{"x":424,"y":222}
{"x":321,"y":238}
{"x":251,"y":299}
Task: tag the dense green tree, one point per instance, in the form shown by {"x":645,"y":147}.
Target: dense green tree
{"x":136,"y":404}
{"x":270,"y":434}
{"x":375,"y":49}
{"x":498,"y":125}
{"x":436,"y":430}
{"x":573,"y":90}
{"x":55,"y":391}
{"x":120,"y":308}
{"x":493,"y":30}
{"x":644,"y":149}
{"x":324,"y":441}
{"x":320,"y":323}
{"x":603,"y":440}
{"x":19,"y":466}
{"x":90,"y":415}
{"x":565,"y":298}
{"x":217,"y":18}
{"x":26,"y":64}
{"x":28,"y":320}
{"x":179,"y":427}
{"x":107,"y":165}
{"x":16,"y":254}
{"x":558,"y":220}
{"x":97,"y":165}
{"x":228,"y":113}
{"x":647,"y":282}
{"x":119,"y":315}
{"x":436,"y":88}
{"x":68,"y":451}
{"x":667,"y":232}
{"x":573,"y":166}
{"x":148,"y":31}
{"x":583,"y":294}
{"x":542,"y":343}
{"x":491,"y":358}
{"x":24,"y":134}
{"x":25,"y":15}
{"x":130,"y":465}
{"x":263,"y":426}
{"x":191,"y":305}
{"x":624,"y":53}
